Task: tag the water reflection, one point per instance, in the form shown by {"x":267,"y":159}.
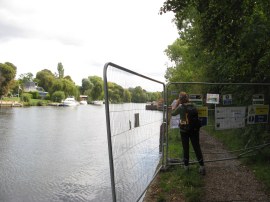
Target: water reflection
{"x":53,"y":154}
{"x":60,"y":153}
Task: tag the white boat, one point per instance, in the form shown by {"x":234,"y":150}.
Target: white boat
{"x":83,"y":102}
{"x":70,"y":101}
{"x":98,"y":102}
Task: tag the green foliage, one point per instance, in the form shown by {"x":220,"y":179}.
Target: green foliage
{"x":87,"y":86}
{"x":26,"y":77}
{"x":97,"y":90}
{"x":47,"y":97}
{"x":60,"y":70}
{"x":35,"y":95}
{"x":138,"y":95}
{"x":57,"y":85}
{"x":7,"y":75}
{"x":58,"y":96}
{"x":224,"y":41}
{"x":26,"y":97}
{"x":127,"y":96}
{"x":45,"y":79}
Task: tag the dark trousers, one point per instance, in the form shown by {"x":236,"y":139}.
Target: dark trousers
{"x":194,"y":138}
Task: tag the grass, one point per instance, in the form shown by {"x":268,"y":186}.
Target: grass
{"x":33,"y":102}
{"x":15,"y":99}
{"x":176,"y":179}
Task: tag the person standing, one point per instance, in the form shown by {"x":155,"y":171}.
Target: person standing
{"x":188,"y":131}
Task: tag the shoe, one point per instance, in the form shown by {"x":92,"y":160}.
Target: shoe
{"x":202,"y":170}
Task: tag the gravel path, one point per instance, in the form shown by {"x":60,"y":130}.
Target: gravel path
{"x":228,"y":180}
{"x":225,"y":181}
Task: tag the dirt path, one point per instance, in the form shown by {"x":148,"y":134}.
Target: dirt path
{"x":228,"y":180}
{"x":224,"y":180}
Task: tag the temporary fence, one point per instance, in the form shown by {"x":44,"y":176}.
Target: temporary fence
{"x":133,"y":131}
{"x":227,"y":108}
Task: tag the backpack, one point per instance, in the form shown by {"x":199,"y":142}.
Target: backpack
{"x":193,"y":123}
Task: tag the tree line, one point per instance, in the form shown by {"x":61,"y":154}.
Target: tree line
{"x":60,"y":86}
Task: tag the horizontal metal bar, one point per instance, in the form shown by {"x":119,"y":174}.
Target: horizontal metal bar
{"x":208,"y":83}
{"x":131,"y":72}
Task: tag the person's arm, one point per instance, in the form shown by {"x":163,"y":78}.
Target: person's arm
{"x":176,"y":108}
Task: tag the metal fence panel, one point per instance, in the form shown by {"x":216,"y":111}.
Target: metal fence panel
{"x":133,"y":132}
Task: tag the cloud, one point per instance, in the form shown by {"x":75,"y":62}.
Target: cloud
{"x":84,"y":35}
{"x":8,"y":31}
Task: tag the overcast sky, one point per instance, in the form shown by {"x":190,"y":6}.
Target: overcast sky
{"x":85,"y":34}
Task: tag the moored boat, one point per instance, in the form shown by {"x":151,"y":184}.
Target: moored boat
{"x":83,"y":102}
{"x":69,"y":101}
{"x":98,"y":102}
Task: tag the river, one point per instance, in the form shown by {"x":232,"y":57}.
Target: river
{"x":54,"y":154}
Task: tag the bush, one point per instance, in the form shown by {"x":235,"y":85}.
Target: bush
{"x":40,"y":103}
{"x":35,"y":94}
{"x":58,"y":96}
{"x":26,"y":97}
{"x":47,"y":97}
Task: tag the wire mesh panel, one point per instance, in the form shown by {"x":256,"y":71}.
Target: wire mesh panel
{"x":238,"y":110}
{"x":134,"y":110}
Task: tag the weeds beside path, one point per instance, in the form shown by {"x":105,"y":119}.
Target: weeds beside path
{"x":228,"y":180}
{"x":224,"y":181}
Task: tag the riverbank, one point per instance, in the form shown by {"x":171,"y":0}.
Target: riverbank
{"x":10,"y":104}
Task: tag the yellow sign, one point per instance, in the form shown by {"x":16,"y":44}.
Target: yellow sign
{"x":262,"y":109}
{"x":202,"y":111}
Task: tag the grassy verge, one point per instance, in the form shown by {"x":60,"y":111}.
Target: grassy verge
{"x":33,"y":102}
{"x":176,"y":179}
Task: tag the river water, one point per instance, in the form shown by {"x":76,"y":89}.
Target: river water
{"x":54,"y":154}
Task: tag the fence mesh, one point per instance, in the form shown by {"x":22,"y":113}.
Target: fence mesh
{"x":134,"y":131}
{"x":231,"y":110}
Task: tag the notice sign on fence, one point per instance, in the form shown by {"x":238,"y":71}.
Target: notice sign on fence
{"x":212,"y":98}
{"x":258,"y":114}
{"x":197,"y":99}
{"x":174,"y":122}
{"x":227,"y":99}
{"x":203,"y":115}
{"x":229,"y":117}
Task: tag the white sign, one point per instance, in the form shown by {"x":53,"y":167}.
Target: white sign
{"x":174,"y":123}
{"x":212,"y":98}
{"x":258,"y":99}
{"x":229,"y":117}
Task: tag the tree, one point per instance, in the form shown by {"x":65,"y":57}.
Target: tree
{"x":127,"y":96}
{"x":97,"y":90}
{"x":60,"y":70}
{"x":229,"y":39}
{"x":138,"y":95}
{"x":69,"y":88}
{"x":58,"y":96}
{"x":116,"y":93}
{"x":45,"y":79}
{"x":86,"y":86}
{"x":7,"y":75}
{"x":57,"y":85}
{"x":26,"y":77}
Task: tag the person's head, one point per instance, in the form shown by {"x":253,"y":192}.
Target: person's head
{"x":183,"y":97}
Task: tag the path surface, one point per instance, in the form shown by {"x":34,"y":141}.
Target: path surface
{"x":228,"y":180}
{"x":224,"y":180}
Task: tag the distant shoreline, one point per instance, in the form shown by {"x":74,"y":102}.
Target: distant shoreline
{"x":10,"y":104}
